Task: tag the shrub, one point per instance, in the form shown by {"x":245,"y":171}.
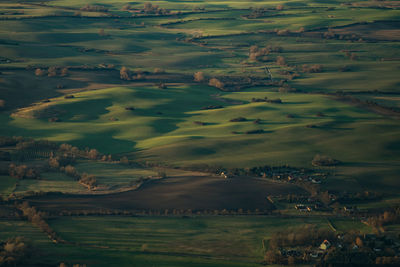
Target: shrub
{"x":125,"y":74}
{"x":71,"y":171}
{"x":280,"y":61}
{"x":52,"y":71}
{"x":239,"y":119}
{"x":14,"y":251}
{"x":93,"y":154}
{"x":53,"y":163}
{"x":88,"y":180}
{"x":199,"y":76}
{"x":216,"y":83}
{"x":94,"y":8}
{"x":22,"y":171}
{"x":312,"y":69}
{"x":40,"y":72}
{"x":282,"y":32}
{"x":279,"y":7}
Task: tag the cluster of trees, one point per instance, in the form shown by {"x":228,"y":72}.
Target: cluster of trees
{"x":94,"y":8}
{"x":52,"y":71}
{"x":88,"y":180}
{"x":281,"y":61}
{"x":316,"y":68}
{"x":23,"y":171}
{"x":14,"y":251}
{"x":63,"y":164}
{"x":307,"y":235}
{"x":69,"y":151}
{"x":216,"y":83}
{"x":199,"y":76}
{"x":261,"y":54}
{"x":38,"y":218}
{"x":149,"y":8}
{"x":391,"y":216}
{"x":127,"y":75}
{"x":61,"y":161}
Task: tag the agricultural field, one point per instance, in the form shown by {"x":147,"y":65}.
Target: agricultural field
{"x":199,"y":133}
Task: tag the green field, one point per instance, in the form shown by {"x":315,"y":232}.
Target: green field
{"x":296,"y":79}
{"x":168,"y":241}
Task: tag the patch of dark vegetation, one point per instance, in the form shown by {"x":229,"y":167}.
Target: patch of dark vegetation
{"x":38,"y":218}
{"x":345,"y":68}
{"x":15,"y":251}
{"x":316,"y":68}
{"x":94,"y":8}
{"x":127,"y":75}
{"x":259,"y":131}
{"x":212,"y":107}
{"x":255,"y":100}
{"x":311,"y":126}
{"x":323,"y":160}
{"x":239,"y":119}
{"x":200,"y":123}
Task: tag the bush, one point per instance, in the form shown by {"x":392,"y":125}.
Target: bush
{"x":14,"y":251}
{"x":216,"y":83}
{"x":52,"y":72}
{"x":94,"y":8}
{"x":199,"y":76}
{"x":312,"y":69}
{"x":22,"y":171}
{"x":280,"y":61}
{"x":239,"y":119}
{"x":93,"y":154}
{"x":64,"y":72}
{"x":125,"y":74}
{"x":71,"y":171}
{"x":89,"y":180}
{"x":40,"y":72}
{"x":259,"y":54}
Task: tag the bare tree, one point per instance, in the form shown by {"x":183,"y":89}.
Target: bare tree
{"x":199,"y":76}
{"x":216,"y":83}
{"x":125,"y":74}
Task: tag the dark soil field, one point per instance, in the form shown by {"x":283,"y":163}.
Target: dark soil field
{"x":196,"y":193}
